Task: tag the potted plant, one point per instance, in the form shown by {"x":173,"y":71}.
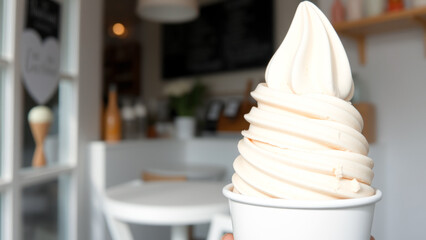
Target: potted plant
{"x":185,"y":97}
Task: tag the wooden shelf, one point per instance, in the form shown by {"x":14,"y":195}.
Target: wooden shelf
{"x":386,"y":22}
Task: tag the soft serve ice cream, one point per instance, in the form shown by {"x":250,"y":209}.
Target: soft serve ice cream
{"x":304,"y":145}
{"x":304,"y":141}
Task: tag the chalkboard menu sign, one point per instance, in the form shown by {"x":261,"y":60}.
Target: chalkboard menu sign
{"x":43,"y":16}
{"x":40,"y":49}
{"x":229,"y":35}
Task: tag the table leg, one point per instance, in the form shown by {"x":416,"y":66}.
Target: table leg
{"x":180,"y":232}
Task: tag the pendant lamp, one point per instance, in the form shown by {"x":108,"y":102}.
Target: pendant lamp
{"x":168,"y":11}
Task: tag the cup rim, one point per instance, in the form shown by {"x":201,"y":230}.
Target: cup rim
{"x":300,"y":204}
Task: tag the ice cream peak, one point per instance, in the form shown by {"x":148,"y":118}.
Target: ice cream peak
{"x":304,"y":141}
{"x":40,"y":114}
{"x":311,"y":59}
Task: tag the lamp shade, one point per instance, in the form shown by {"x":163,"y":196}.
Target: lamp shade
{"x":168,"y":11}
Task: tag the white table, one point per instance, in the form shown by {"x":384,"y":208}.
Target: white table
{"x":176,"y":204}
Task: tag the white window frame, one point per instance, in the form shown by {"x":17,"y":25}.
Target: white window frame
{"x":80,"y":69}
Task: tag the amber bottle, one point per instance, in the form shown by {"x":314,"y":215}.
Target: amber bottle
{"x":338,"y":12}
{"x":395,"y":5}
{"x":112,"y":118}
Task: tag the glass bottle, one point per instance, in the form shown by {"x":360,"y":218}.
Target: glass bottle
{"x":374,"y":7}
{"x":337,"y":12}
{"x":128,"y":120}
{"x":395,"y":5}
{"x":141,"y":118}
{"x":112,"y":117}
{"x":354,"y":9}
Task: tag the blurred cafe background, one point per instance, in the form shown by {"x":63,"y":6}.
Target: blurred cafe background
{"x":120,"y":119}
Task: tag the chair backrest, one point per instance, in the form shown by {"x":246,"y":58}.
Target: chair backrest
{"x":151,"y":177}
{"x":119,"y":230}
{"x":220,"y":224}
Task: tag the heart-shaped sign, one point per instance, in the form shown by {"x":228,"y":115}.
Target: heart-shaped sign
{"x":39,"y":65}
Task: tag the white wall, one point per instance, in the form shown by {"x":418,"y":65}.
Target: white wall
{"x":394,"y":81}
{"x":395,"y":77}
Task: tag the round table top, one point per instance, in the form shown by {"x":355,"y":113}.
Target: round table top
{"x":166,"y":203}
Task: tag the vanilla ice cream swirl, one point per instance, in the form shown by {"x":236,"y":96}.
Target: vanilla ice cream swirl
{"x":304,"y":141}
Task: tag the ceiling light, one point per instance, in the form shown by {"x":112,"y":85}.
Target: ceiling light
{"x":118,"y":29}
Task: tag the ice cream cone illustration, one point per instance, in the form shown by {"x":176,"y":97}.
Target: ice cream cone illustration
{"x":39,"y":119}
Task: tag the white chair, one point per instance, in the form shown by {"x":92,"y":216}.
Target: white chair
{"x":119,"y":230}
{"x":220,"y":224}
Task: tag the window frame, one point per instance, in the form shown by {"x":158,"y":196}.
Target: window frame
{"x":15,"y":179}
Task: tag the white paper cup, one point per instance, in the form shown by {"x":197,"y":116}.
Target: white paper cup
{"x":255,"y":218}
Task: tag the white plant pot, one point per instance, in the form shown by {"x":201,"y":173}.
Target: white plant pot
{"x":185,"y":127}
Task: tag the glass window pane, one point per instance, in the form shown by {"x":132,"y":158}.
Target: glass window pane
{"x":2,"y":102}
{"x":48,"y":140}
{"x":1,"y":26}
{"x":1,"y":215}
{"x":57,"y":142}
{"x":40,"y":215}
{"x":41,"y":140}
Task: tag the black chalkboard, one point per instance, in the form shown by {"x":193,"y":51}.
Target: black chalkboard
{"x":230,"y":35}
{"x":44,"y":17}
